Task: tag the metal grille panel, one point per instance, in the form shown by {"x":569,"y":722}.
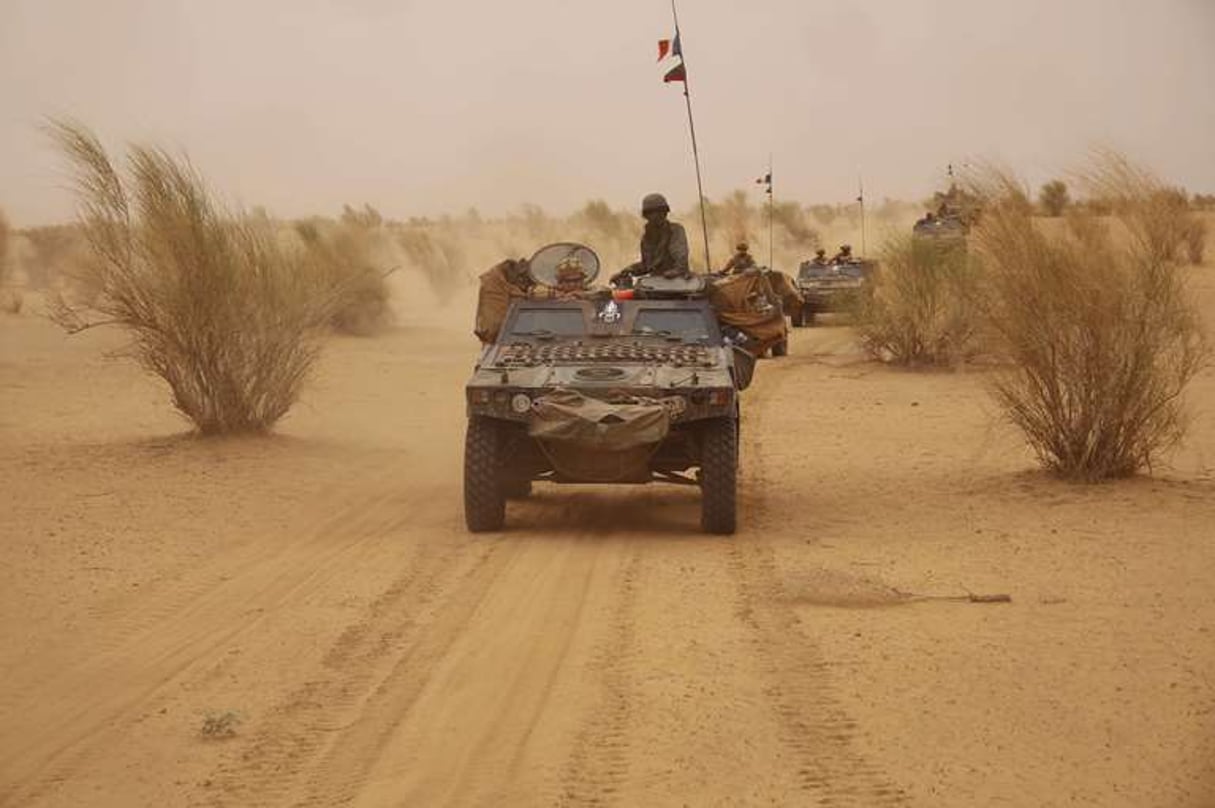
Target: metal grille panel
{"x":525,"y":354}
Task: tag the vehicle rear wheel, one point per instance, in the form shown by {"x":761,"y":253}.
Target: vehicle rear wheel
{"x":718,"y":475}
{"x":781,"y":348}
{"x":484,"y":498}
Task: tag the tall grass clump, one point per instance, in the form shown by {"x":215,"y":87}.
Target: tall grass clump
{"x":919,"y":307}
{"x":1095,"y":321}
{"x":215,"y":307}
{"x":10,"y":299}
{"x":1195,"y":239}
{"x":343,"y":255}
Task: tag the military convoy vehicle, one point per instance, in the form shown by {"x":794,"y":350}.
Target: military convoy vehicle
{"x":829,"y":287}
{"x":601,"y":388}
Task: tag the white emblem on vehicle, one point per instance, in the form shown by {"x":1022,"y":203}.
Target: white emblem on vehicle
{"x":610,"y":313}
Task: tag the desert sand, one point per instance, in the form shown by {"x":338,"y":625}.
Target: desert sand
{"x":314,"y":601}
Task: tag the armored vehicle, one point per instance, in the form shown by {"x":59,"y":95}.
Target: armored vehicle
{"x":596,"y":388}
{"x":829,"y":287}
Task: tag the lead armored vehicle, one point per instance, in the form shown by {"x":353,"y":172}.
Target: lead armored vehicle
{"x":592,"y":388}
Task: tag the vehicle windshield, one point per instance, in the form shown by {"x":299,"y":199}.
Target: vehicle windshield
{"x":549,"y":322}
{"x":810,"y":271}
{"x":682,"y":323}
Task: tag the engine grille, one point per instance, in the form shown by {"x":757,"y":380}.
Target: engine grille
{"x":523,"y":354}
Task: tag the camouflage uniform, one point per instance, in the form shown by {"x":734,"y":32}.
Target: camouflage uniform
{"x":664,"y":249}
{"x":664,"y":244}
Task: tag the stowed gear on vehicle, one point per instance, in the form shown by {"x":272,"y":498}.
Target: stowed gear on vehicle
{"x":594,"y":389}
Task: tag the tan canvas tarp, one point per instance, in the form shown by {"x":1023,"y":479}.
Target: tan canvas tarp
{"x":749,"y":303}
{"x":782,"y":284}
{"x":600,"y":441}
{"x":568,"y":416}
{"x":493,"y":301}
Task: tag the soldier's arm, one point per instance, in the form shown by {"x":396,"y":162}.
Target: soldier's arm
{"x":679,"y":248}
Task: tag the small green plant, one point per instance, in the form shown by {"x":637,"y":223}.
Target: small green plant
{"x":218,"y":725}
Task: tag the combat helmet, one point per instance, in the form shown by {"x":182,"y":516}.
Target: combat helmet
{"x":654,"y":202}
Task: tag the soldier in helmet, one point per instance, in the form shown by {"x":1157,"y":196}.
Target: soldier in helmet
{"x":820,"y":257}
{"x":571,"y":278}
{"x":844,"y":256}
{"x":664,"y":244}
{"x":740,"y":261}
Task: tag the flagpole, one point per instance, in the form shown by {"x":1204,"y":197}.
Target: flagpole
{"x":860,"y":183}
{"x":770,"y":203}
{"x":687,"y":96}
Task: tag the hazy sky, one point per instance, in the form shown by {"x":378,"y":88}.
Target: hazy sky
{"x":421,"y":106}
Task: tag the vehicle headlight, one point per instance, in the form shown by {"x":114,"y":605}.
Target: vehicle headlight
{"x":520,"y":403}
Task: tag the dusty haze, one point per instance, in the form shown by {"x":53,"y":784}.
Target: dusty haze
{"x":425,"y":107}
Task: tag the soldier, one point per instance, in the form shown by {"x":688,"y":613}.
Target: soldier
{"x":664,"y":244}
{"x":740,"y":261}
{"x":844,"y":256}
{"x":571,"y":278}
{"x":820,"y":257}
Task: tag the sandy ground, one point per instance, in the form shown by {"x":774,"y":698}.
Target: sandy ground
{"x":316,"y":594}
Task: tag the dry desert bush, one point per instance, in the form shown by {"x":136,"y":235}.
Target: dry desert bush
{"x":10,"y":297}
{"x":343,"y":254}
{"x":920,"y":307}
{"x":1195,"y":239}
{"x":1094,"y":320}
{"x":214,"y":304}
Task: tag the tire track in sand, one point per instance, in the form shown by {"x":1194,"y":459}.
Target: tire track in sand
{"x":814,"y":725}
{"x":286,"y":762}
{"x":598,"y":761}
{"x":452,"y":705}
{"x":159,"y":640}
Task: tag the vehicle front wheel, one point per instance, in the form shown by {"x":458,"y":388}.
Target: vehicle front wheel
{"x":797,"y":318}
{"x":515,"y":488}
{"x":484,"y":498}
{"x":719,"y":476}
{"x":781,"y":348}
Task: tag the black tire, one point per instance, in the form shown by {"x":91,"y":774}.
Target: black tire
{"x":797,"y":318}
{"x":516,"y":488}
{"x":719,"y":476}
{"x":484,"y":499}
{"x":781,"y":348}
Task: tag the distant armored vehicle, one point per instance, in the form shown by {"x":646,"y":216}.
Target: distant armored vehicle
{"x":605,"y":388}
{"x":829,"y":287}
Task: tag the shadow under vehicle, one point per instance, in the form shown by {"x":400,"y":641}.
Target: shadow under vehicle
{"x":595,"y":389}
{"x":831,"y":287}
